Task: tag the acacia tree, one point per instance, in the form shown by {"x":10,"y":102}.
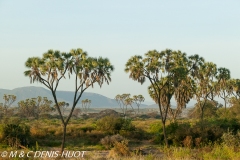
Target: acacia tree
{"x":138,"y":99}
{"x":53,"y":67}
{"x":173,"y":66}
{"x":86,"y":103}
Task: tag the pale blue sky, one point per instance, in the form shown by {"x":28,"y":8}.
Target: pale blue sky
{"x":117,"y":30}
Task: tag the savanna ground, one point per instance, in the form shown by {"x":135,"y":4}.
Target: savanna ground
{"x":107,"y":135}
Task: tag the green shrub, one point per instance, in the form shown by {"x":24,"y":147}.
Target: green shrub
{"x":181,"y":153}
{"x":194,"y":135}
{"x":126,"y":125}
{"x":87,"y":129}
{"x":155,"y":130}
{"x":202,"y":132}
{"x":137,"y":133}
{"x":109,"y":124}
{"x":207,"y":131}
{"x":230,"y":139}
{"x":15,"y":135}
{"x":221,"y":152}
{"x":113,"y":125}
{"x":177,"y":133}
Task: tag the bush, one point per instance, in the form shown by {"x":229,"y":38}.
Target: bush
{"x":138,"y":134}
{"x":194,"y":135}
{"x":109,"y":141}
{"x":15,"y":135}
{"x":119,"y":149}
{"x":230,"y":139}
{"x":202,"y":132}
{"x":156,"y":130}
{"x":109,"y":124}
{"x":207,"y":131}
{"x":87,"y":129}
{"x":38,"y":131}
{"x":210,"y":110}
{"x":113,"y":125}
{"x":221,"y":152}
{"x":188,"y":142}
{"x":178,"y":133}
{"x":126,"y":125}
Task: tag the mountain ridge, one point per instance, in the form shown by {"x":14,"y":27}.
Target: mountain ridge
{"x":97,"y":100}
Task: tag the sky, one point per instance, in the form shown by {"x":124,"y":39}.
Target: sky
{"x":116,"y":30}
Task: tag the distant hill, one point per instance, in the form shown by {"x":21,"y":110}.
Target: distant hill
{"x":23,"y":93}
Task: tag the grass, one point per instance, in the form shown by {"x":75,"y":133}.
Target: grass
{"x":46,"y":134}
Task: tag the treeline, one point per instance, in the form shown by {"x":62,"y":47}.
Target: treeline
{"x":36,"y":107}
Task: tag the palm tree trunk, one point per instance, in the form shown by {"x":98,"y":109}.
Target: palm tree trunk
{"x":225,"y":101}
{"x":202,"y":113}
{"x":163,"y":118}
{"x":164,"y":133}
{"x":64,"y":137}
{"x":202,"y":116}
{"x":202,"y":107}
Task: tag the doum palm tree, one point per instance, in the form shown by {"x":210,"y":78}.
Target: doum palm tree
{"x":86,"y":103}
{"x":55,"y":66}
{"x":8,"y":101}
{"x":224,"y":86}
{"x":138,"y":99}
{"x":165,"y":71}
{"x":205,"y":85}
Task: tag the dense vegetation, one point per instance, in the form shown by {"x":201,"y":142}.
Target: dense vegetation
{"x":138,"y":135}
